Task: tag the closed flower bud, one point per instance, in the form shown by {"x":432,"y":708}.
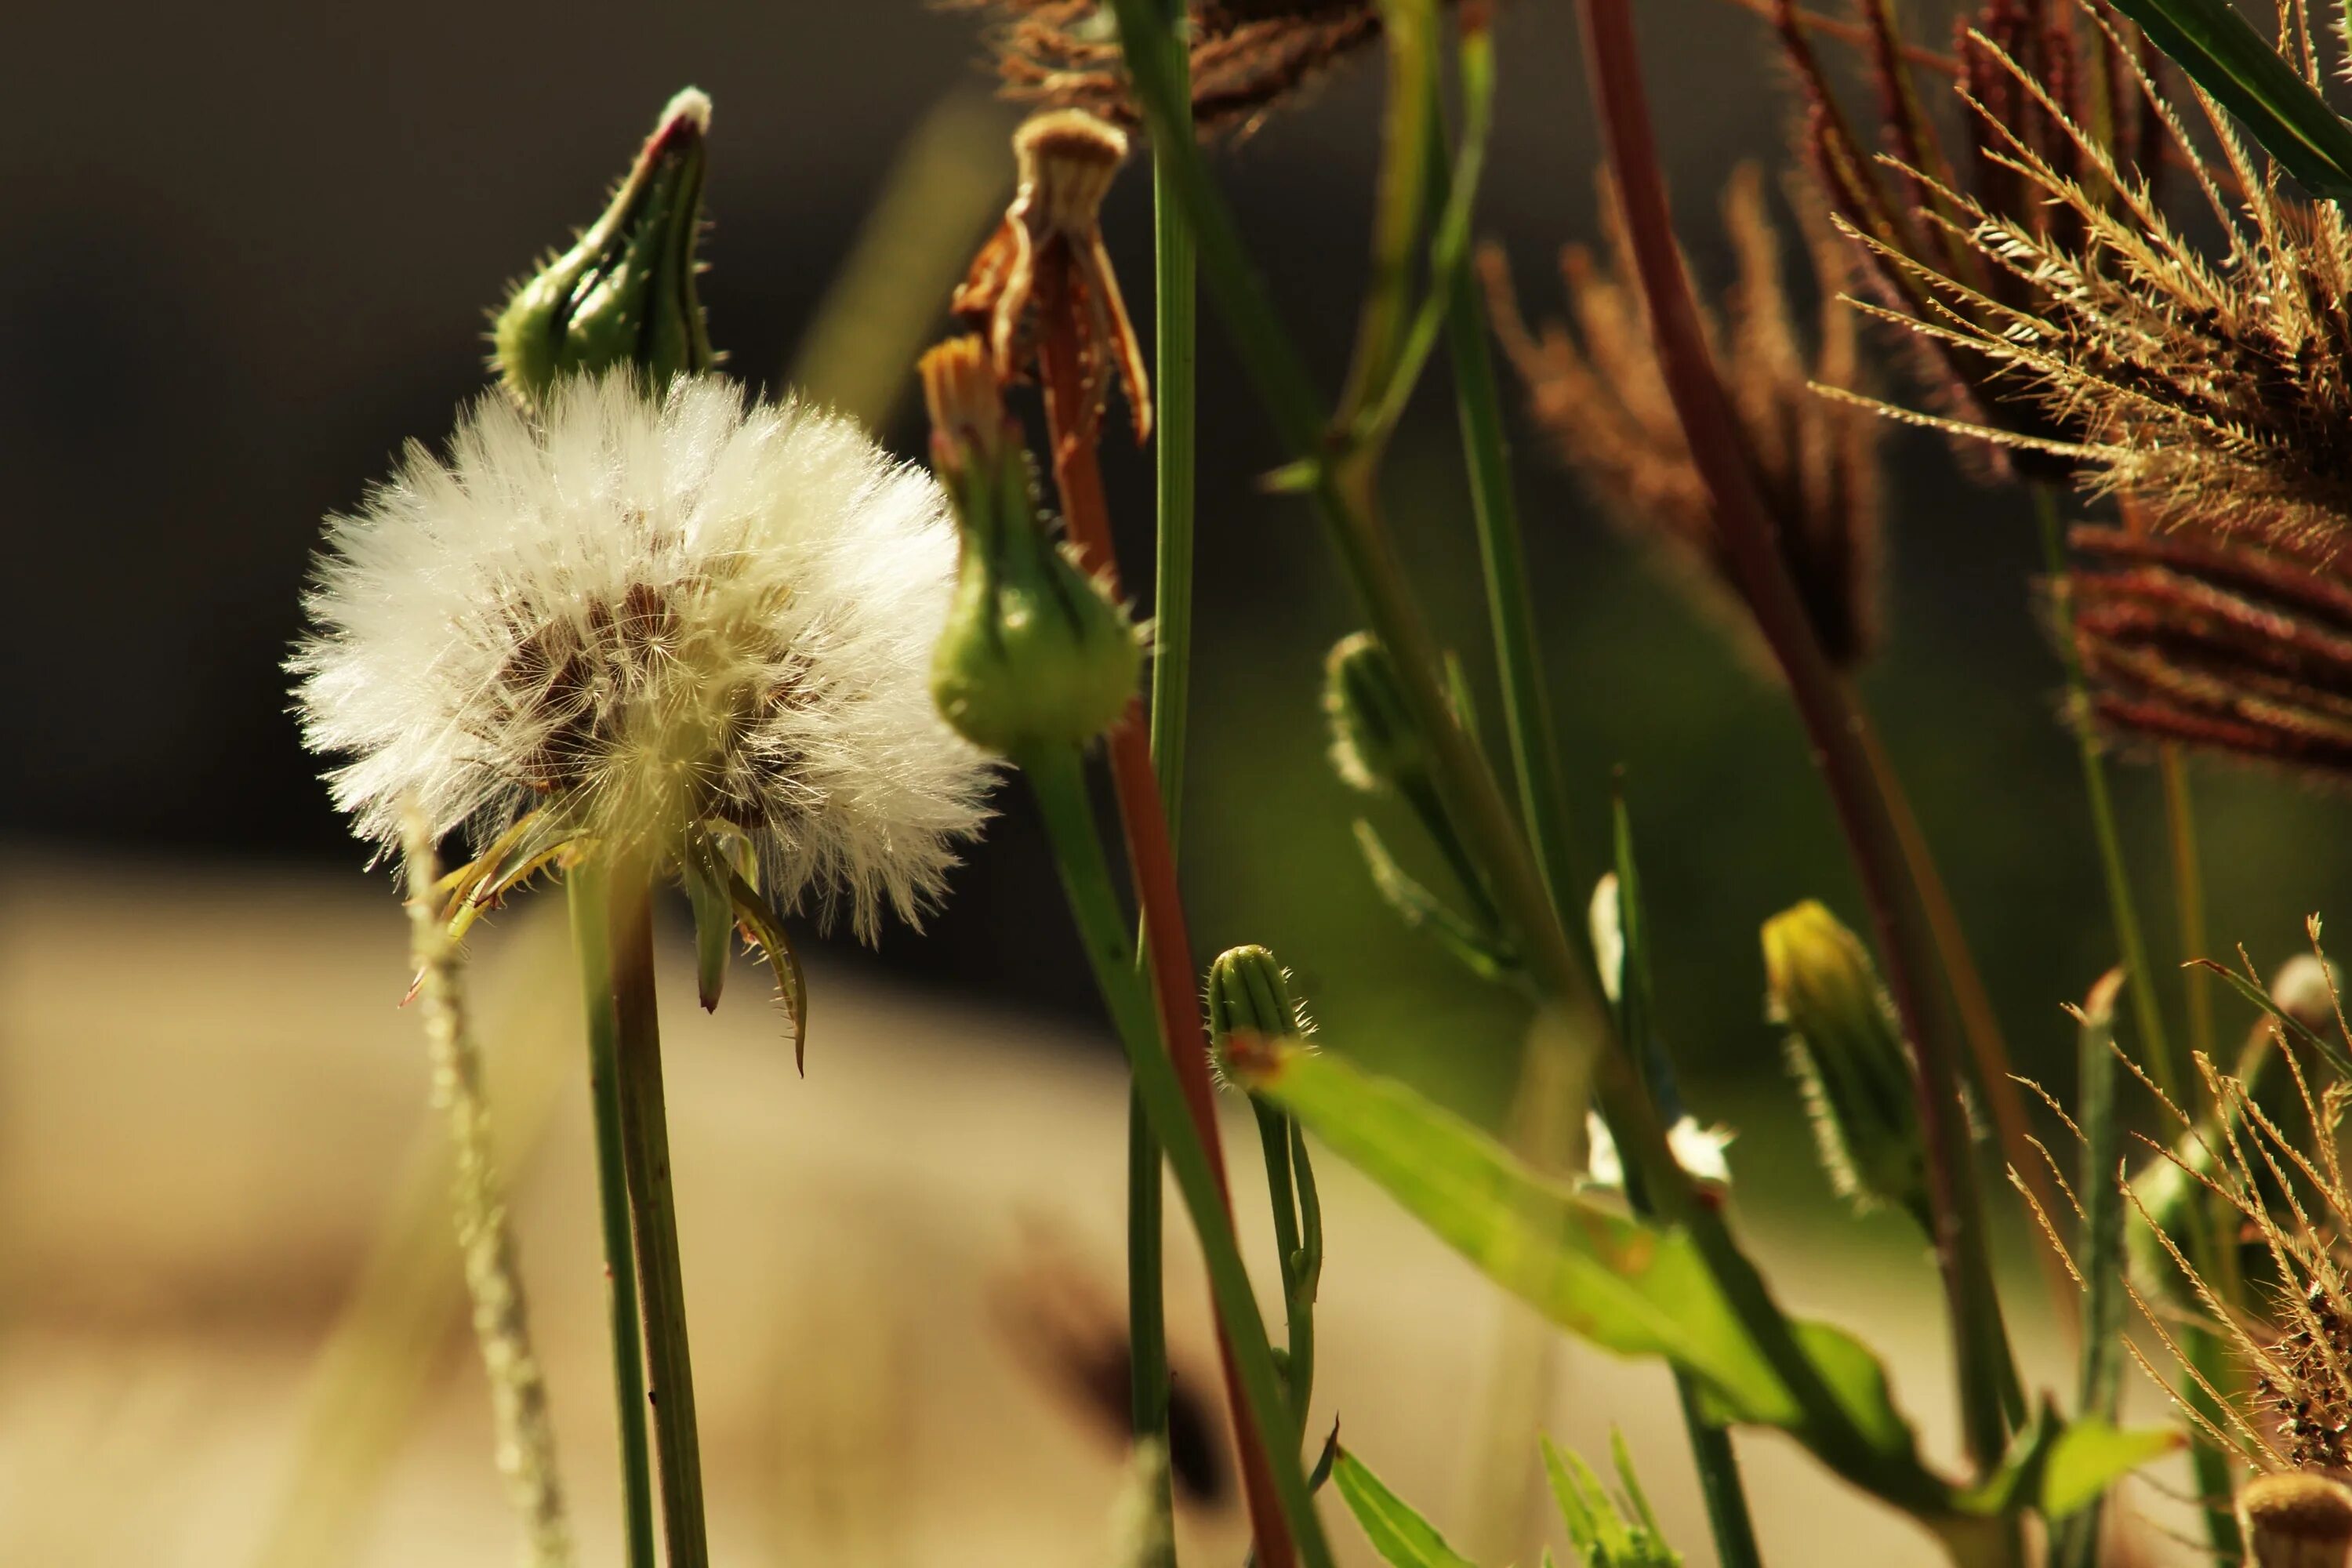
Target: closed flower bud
{"x":1849,"y":1058}
{"x":624,"y":294}
{"x":2296,"y":1522}
{"x":1036,"y":652}
{"x":1250,"y":1001}
{"x":1375,"y":745}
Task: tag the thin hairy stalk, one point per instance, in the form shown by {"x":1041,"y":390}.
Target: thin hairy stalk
{"x":1176,"y":329}
{"x":586,"y":885}
{"x":1980,"y":1024}
{"x":2171,"y":1076}
{"x":653,"y":1220}
{"x":1361,"y":539}
{"x":1071,"y":427}
{"x":1187,"y":1129}
{"x":525,"y":1436}
{"x":1984,"y":1369}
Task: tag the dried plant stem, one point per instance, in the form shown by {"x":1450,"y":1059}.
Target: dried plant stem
{"x":1986,"y":1378}
{"x":525,"y":1436}
{"x":1176,"y":1097}
{"x":653,"y":1220}
{"x":586,"y":886}
{"x":1361,"y":539}
{"x":1071,"y":425}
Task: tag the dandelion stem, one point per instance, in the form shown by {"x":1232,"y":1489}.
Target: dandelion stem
{"x":586,"y":889}
{"x":1986,"y":1375}
{"x":1186,"y":1122}
{"x":653,"y":1215}
{"x":2099,"y":1383}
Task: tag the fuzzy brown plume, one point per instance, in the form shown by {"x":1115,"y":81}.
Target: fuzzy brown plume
{"x":1910,"y":192}
{"x":1248,"y":56}
{"x":1598,"y":393}
{"x":2226,"y":643}
{"x":2207,"y":388}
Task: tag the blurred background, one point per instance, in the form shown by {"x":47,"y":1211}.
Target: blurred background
{"x":247,"y":253}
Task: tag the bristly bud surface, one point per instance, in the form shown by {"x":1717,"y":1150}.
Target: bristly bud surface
{"x":1043,"y":285}
{"x":2296,"y":1522}
{"x":1849,"y":1058}
{"x":1250,"y":999}
{"x":2230,"y":644}
{"x":1036,"y":652}
{"x":1599,"y":393}
{"x":624,"y":294}
{"x":1375,"y":744}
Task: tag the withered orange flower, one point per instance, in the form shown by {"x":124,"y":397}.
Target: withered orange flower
{"x":1042,"y":284}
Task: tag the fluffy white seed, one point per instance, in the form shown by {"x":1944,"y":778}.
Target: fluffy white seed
{"x":644,"y":615}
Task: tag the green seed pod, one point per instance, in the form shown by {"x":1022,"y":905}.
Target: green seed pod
{"x":1034,"y":652}
{"x":1849,"y":1059}
{"x":1375,"y":745}
{"x":624,"y":294}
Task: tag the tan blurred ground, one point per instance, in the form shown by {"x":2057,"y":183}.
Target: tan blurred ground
{"x":208,"y":1102}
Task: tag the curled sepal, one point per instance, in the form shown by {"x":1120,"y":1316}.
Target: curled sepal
{"x":1482,"y":949}
{"x":624,"y":294}
{"x":765,"y":928}
{"x":703,"y":867}
{"x":534,"y":843}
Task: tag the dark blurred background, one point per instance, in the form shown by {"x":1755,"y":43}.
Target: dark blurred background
{"x":246,"y":253}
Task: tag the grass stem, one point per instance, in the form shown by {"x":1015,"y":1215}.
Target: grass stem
{"x":586,"y":886}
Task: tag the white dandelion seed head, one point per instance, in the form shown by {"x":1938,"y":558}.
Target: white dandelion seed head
{"x":645,"y":614}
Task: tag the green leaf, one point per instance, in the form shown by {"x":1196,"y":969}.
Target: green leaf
{"x":2059,"y":1468}
{"x":766,"y":927}
{"x":2301,"y":1034}
{"x":2221,"y":52}
{"x":1597,"y":1526}
{"x":1483,"y":952}
{"x":1401,"y":1537}
{"x":1627,"y":1287}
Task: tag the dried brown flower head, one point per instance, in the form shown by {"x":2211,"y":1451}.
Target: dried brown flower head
{"x":1248,"y":56}
{"x":1911,"y":192}
{"x":1042,"y":284}
{"x":1598,"y":393}
{"x":2231,"y":644}
{"x":2211,"y":388}
{"x":2296,"y":1522}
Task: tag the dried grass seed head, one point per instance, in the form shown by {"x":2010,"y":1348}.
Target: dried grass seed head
{"x":646,"y":617}
{"x":1598,"y":393}
{"x":1249,"y":58}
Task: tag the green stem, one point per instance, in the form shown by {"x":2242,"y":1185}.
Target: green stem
{"x":1059,"y":784}
{"x":1176,"y":328}
{"x":652,"y":1216}
{"x":1278,"y":376}
{"x":2099,"y":1383}
{"x":585,"y":887}
{"x":1278,"y":1137}
{"x":2170,"y":1075}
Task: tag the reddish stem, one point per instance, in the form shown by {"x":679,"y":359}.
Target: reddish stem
{"x":1072,"y":424}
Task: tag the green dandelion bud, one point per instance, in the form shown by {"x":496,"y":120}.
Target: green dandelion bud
{"x":1849,"y":1059}
{"x":1036,"y":652}
{"x":1375,"y":745}
{"x":1250,"y":1002}
{"x":622,"y":295}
